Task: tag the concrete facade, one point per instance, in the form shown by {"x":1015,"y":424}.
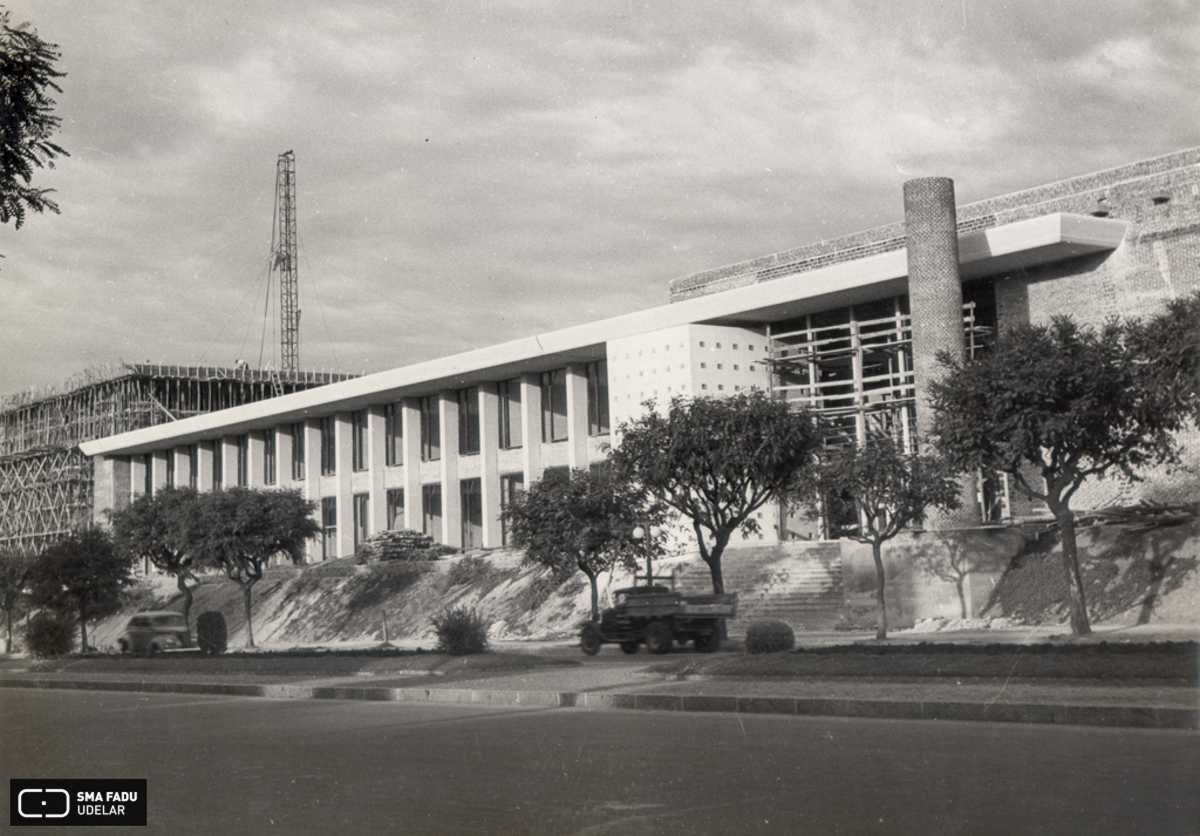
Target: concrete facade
{"x":845,"y":327}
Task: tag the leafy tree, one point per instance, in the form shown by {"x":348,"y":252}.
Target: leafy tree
{"x":14,"y":577}
{"x":887,"y":490}
{"x":717,"y":461}
{"x":1055,"y":405}
{"x":241,"y":529}
{"x":157,"y":527}
{"x":583,"y":521}
{"x":82,"y":574}
{"x":27,"y":121}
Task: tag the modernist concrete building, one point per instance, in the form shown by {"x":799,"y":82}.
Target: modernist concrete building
{"x":849,"y":327}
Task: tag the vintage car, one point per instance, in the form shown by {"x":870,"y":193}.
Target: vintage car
{"x":154,"y":632}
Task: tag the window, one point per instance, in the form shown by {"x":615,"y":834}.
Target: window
{"x":269,"y":458}
{"x":298,"y":451}
{"x":472,"y":513}
{"x":329,"y":528}
{"x":170,"y":468}
{"x":554,"y":405}
{"x":468,"y":421}
{"x":328,"y":447}
{"x":510,"y":485}
{"x":431,"y":431}
{"x":362,"y":513}
{"x":509,"y":392}
{"x":218,"y":464}
{"x":393,"y":429}
{"x":243,"y":460}
{"x":395,"y":509}
{"x":358,"y":440}
{"x":193,"y":466}
{"x":431,"y":511}
{"x":597,"y":379}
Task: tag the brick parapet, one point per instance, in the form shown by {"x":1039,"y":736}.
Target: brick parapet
{"x":1128,"y":193}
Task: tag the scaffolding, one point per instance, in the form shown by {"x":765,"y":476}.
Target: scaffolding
{"x":46,"y":485}
{"x":853,"y":367}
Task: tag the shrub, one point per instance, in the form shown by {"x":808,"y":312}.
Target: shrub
{"x":769,"y":637}
{"x":48,"y":635}
{"x":211,"y":633}
{"x":460,"y":631}
{"x":469,"y":570}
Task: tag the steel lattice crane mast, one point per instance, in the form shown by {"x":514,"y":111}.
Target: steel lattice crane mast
{"x":283,"y":260}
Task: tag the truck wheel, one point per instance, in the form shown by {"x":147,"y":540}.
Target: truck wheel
{"x":629,"y":648}
{"x":589,"y":639}
{"x":659,"y":637}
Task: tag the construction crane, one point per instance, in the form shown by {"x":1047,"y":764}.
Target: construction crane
{"x":283,"y":260}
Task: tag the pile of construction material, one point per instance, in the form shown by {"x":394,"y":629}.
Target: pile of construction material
{"x":403,"y":544}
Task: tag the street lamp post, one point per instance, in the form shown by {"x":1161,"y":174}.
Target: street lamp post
{"x":648,"y":533}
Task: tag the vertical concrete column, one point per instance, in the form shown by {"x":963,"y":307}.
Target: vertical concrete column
{"x":489,"y":463}
{"x":183,"y":466}
{"x":410,"y":425}
{"x":158,"y":462}
{"x":376,"y":462}
{"x":312,"y":480}
{"x":256,"y":454}
{"x":935,"y":302}
{"x":342,"y":474}
{"x":451,"y":490}
{"x":577,"y":416}
{"x":531,"y":427}
{"x":229,"y":459}
{"x":204,"y":466}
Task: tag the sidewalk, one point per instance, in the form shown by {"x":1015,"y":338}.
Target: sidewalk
{"x":610,"y":685}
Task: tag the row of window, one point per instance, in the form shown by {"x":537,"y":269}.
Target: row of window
{"x":471,"y":509}
{"x":554,"y":427}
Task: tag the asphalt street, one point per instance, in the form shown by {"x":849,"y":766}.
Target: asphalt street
{"x":234,"y":765}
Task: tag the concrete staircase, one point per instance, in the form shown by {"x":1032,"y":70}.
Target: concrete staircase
{"x":799,"y":583}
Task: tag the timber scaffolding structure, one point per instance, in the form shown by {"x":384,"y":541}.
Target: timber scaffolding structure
{"x":46,"y":482}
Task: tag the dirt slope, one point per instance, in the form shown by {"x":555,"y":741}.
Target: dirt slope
{"x":1133,"y":577}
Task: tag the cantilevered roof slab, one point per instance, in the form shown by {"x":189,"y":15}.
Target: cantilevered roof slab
{"x":1021,"y":245}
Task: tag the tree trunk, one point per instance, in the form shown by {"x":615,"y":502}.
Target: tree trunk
{"x":83,"y":632}
{"x":246,"y":587}
{"x":713,"y":559}
{"x":181,"y":582}
{"x":591,"y":576}
{"x":1070,"y":558}
{"x":962,"y":598}
{"x":877,"y":554}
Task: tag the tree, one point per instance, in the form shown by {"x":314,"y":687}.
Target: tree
{"x":241,"y":529}
{"x":888,"y":490}
{"x":583,"y":522}
{"x":14,"y":578}
{"x":27,"y":121}
{"x":717,"y":461}
{"x":157,"y":527}
{"x":1054,"y":405}
{"x":82,"y":574}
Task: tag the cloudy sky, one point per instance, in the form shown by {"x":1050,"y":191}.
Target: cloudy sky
{"x":473,"y":171}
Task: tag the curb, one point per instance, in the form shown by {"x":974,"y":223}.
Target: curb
{"x":1123,"y":716}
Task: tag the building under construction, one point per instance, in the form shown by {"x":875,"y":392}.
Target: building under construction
{"x":46,"y":482}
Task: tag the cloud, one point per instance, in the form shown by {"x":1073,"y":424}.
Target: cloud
{"x":475,"y":171}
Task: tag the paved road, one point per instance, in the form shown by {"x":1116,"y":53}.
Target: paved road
{"x":230,"y":766}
